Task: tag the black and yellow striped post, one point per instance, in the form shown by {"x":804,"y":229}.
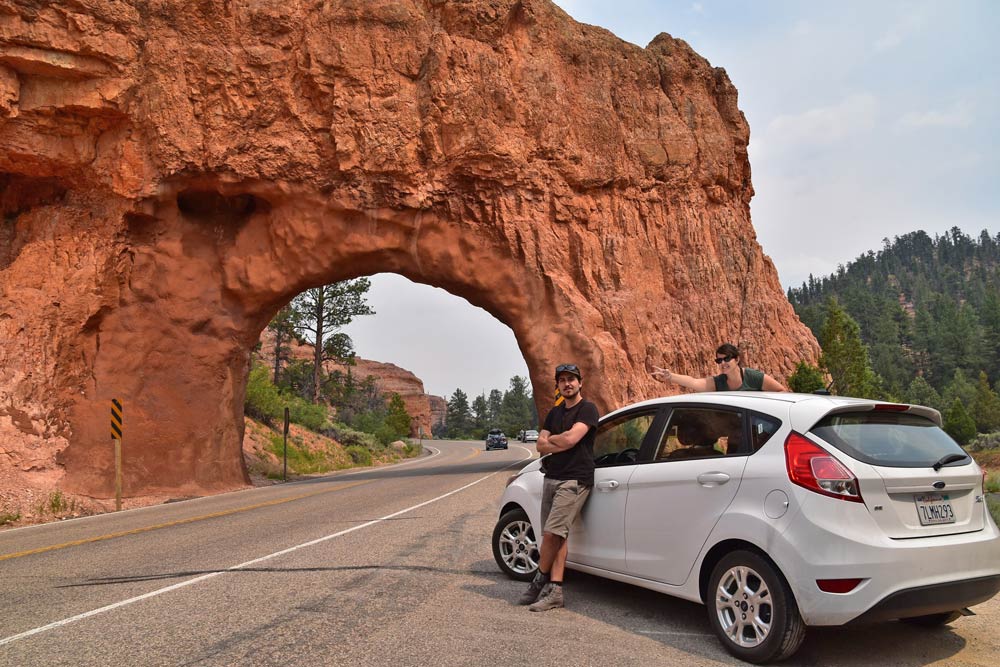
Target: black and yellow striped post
{"x":559,"y":398}
{"x":116,"y":435}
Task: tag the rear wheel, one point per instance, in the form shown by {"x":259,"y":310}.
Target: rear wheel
{"x":752,"y":610}
{"x":515,"y":548}
{"x":933,"y":620}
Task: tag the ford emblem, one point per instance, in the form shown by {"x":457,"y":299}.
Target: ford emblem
{"x":938,"y":485}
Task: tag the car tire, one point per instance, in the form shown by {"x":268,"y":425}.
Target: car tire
{"x":752,"y":610}
{"x":933,"y":620}
{"x":515,"y":548}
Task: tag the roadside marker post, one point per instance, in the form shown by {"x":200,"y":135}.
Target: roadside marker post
{"x":116,"y":435}
{"x":559,"y":398}
{"x":284,"y":471}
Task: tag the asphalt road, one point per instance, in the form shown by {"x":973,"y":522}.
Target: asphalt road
{"x":390,"y":566}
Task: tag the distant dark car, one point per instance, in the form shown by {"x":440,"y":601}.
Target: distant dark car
{"x":495,"y":439}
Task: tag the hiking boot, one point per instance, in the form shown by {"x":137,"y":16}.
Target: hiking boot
{"x":534,"y":590}
{"x":552,"y":598}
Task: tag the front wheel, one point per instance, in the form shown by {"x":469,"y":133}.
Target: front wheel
{"x":515,"y":548}
{"x":752,"y":609}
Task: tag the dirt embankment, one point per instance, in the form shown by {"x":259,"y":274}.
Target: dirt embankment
{"x":309,"y":454}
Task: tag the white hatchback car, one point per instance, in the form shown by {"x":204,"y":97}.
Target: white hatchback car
{"x":776,"y":511}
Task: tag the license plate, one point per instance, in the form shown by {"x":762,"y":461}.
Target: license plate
{"x":933,"y":508}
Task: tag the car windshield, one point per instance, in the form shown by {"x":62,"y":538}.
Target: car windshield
{"x":892,"y":439}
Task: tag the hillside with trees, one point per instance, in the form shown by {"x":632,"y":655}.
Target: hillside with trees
{"x":917,"y":321}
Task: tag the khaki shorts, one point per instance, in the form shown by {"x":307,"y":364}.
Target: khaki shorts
{"x":562,"y":501}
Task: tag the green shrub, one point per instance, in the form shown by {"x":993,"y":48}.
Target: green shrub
{"x":386,"y":434}
{"x":310,"y":415}
{"x":994,"y":504}
{"x":263,"y":400}
{"x":9,"y":517}
{"x":348,"y":436}
{"x":266,"y":403}
{"x":360,"y":455}
{"x":992,"y":484}
{"x":301,"y":460}
{"x":806,"y":379}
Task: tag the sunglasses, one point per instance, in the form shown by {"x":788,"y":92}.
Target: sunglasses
{"x":728,"y":357}
{"x":567,"y":368}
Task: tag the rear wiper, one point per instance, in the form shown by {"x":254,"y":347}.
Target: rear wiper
{"x":948,"y":458}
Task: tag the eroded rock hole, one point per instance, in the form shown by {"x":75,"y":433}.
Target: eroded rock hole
{"x":18,"y":195}
{"x":210,"y":205}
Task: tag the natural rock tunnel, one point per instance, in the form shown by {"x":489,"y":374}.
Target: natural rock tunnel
{"x":171,"y":174}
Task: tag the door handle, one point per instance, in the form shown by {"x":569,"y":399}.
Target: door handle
{"x":712,"y":478}
{"x":610,"y":484}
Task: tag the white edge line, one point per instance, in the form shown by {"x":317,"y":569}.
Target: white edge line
{"x":210,"y":575}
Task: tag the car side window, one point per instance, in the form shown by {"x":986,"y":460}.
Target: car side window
{"x":695,"y":433}
{"x":761,"y":429}
{"x":618,"y":442}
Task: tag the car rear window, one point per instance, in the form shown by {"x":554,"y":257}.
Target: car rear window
{"x":892,"y":439}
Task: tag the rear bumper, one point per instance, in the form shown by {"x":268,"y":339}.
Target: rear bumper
{"x":900,"y":578}
{"x":932,"y":599}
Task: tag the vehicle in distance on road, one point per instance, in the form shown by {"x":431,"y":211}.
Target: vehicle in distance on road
{"x":530,"y":436}
{"x":495,"y":439}
{"x":777,"y":512}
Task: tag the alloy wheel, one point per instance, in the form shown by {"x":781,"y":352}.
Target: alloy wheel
{"x":743,"y":605}
{"x":518,"y":547}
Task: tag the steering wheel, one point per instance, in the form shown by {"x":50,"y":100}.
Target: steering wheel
{"x":630,"y":455}
{"x":605,"y":459}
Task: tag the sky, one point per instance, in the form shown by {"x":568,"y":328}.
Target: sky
{"x":868,"y":119}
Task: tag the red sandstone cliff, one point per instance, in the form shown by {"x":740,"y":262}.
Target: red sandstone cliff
{"x":172,"y":173}
{"x":390,"y":378}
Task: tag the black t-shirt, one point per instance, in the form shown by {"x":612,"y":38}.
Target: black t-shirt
{"x":578,"y":461}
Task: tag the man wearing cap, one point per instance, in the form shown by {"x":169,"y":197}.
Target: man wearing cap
{"x":568,"y":438}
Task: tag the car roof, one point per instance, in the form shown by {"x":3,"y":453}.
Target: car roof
{"x":803,"y":409}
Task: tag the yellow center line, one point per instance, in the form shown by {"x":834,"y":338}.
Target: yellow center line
{"x":178,"y":522}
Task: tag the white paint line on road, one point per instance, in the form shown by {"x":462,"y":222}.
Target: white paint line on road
{"x":675,"y":634}
{"x":211,"y":575}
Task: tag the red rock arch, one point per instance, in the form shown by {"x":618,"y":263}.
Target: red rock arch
{"x":172,"y":177}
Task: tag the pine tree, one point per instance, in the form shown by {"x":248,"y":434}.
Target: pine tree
{"x":480,"y":416}
{"x":959,"y":424}
{"x":517,"y":408}
{"x":845,"y":356}
{"x":397,"y":419}
{"x":959,"y":389}
{"x":283,"y":326}
{"x":985,"y":406}
{"x":459,"y":417}
{"x":920,"y":392}
{"x":322,"y":312}
{"x":494,"y":404}
{"x":806,"y":379}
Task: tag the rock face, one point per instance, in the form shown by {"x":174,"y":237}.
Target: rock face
{"x":439,"y":410}
{"x":390,"y":378}
{"x":172,"y":173}
{"x":395,"y":380}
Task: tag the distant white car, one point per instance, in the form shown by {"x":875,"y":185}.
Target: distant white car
{"x":531,"y":436}
{"x":776,"y":511}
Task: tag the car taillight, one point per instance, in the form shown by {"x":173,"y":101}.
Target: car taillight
{"x":890,"y":407}
{"x":812,"y":467}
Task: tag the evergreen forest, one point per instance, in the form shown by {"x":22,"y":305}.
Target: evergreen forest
{"x":917,"y":321}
